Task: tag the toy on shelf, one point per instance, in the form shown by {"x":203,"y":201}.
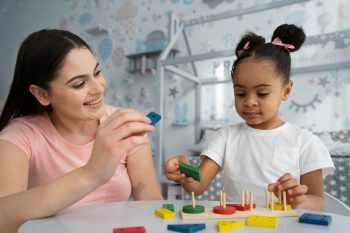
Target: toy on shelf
{"x":190,"y":171}
{"x":193,"y":209}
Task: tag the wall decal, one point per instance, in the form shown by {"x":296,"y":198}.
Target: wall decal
{"x":205,"y":46}
{"x":347,"y":123}
{"x":227,"y":68}
{"x":298,"y":17}
{"x":85,"y":18}
{"x":156,"y":17}
{"x":128,"y":98}
{"x":340,"y":39}
{"x":344,"y":9}
{"x":116,"y":96}
{"x":181,"y":115}
{"x":155,"y":41}
{"x":126,"y":18}
{"x":127,"y":11}
{"x":304,"y":107}
{"x":63,"y":24}
{"x":105,"y":48}
{"x":148,"y":105}
{"x":323,"y":81}
{"x":140,"y":45}
{"x":187,"y":2}
{"x":118,"y":56}
{"x":324,"y":20}
{"x":144,"y":93}
{"x":173,"y":92}
{"x":128,"y":80}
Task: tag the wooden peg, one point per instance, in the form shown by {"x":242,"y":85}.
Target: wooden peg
{"x":271,"y":201}
{"x":284,"y":201}
{"x":251,"y":201}
{"x":224,"y":200}
{"x":193,"y":200}
{"x":221,"y":202}
{"x":242,"y":197}
{"x":246,"y":197}
{"x":279,"y":197}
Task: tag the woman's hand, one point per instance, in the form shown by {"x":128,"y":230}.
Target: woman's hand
{"x":296,"y":193}
{"x":116,"y":138}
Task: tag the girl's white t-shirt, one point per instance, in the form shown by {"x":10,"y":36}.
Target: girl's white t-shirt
{"x":251,"y":159}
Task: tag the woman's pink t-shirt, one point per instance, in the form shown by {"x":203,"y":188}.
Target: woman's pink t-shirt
{"x":51,"y":156}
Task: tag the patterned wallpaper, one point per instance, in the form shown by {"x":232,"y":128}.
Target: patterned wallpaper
{"x":118,"y":28}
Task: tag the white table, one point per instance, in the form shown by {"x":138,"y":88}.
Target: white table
{"x":102,"y":218}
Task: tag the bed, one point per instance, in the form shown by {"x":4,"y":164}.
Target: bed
{"x":185,"y":66}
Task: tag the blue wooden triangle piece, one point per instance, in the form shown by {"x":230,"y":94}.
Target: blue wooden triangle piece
{"x":186,"y":228}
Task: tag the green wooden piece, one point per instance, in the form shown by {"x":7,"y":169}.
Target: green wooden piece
{"x":168,"y":207}
{"x":189,"y":209}
{"x":190,"y":171}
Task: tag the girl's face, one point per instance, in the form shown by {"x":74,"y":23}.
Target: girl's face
{"x":258,"y":91}
{"x":77,"y":93}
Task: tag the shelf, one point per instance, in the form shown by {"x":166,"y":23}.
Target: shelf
{"x":180,"y":123}
{"x":149,"y":59}
{"x":97,"y":31}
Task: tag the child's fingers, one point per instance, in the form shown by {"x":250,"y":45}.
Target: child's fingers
{"x":182,"y":158}
{"x":272,"y":187}
{"x":298,"y":190}
{"x":174,"y":176}
{"x":287,"y":184}
{"x":172,"y":165}
{"x":284,"y":178}
{"x":297,"y":200}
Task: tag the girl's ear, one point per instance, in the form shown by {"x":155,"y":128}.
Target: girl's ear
{"x":40,"y":94}
{"x":287,"y":90}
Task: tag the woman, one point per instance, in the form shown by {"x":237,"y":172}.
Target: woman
{"x":59,"y":144}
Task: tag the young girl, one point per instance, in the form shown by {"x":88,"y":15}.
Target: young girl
{"x":59,"y":144}
{"x":263,"y":152}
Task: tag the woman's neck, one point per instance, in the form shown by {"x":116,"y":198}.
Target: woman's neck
{"x":78,"y":133}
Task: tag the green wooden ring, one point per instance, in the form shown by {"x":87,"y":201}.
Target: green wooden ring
{"x":190,"y":210}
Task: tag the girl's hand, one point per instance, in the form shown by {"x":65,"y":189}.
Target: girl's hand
{"x":117,"y":137}
{"x":172,"y":169}
{"x":296,"y":193}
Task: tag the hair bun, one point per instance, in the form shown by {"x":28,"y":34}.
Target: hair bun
{"x":253,"y":39}
{"x":290,"y":34}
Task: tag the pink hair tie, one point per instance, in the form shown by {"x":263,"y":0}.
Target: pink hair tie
{"x":245,"y":48}
{"x":277,"y":41}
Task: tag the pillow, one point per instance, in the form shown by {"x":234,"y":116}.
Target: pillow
{"x":337,"y":143}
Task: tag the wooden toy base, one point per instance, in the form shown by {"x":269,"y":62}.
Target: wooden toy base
{"x":242,"y":208}
{"x":209,"y":214}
